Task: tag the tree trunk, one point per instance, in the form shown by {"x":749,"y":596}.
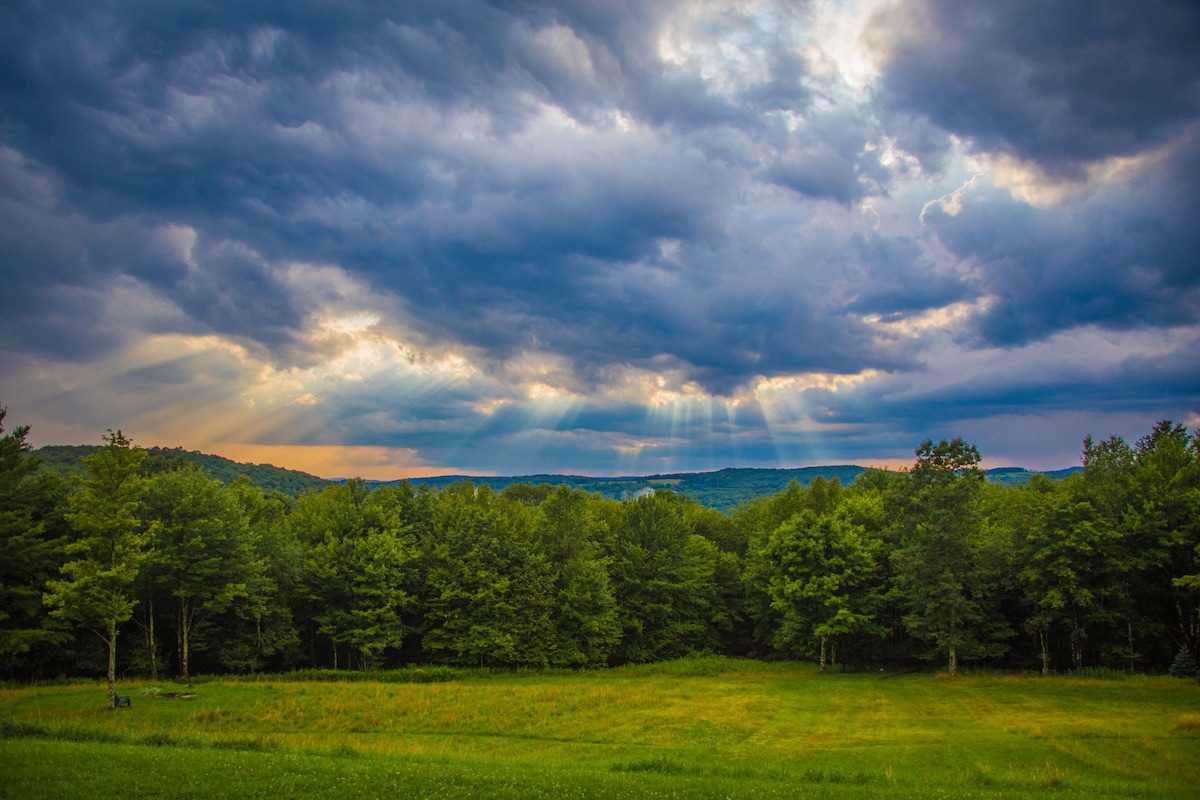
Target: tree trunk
{"x":824,"y":642}
{"x":1183,"y":620}
{"x":151,"y":644}
{"x":1129,"y":631}
{"x":187,"y":673}
{"x":186,"y":612}
{"x":258,"y":642}
{"x":184,"y":639}
{"x":1044,"y":642}
{"x":953,"y":661}
{"x":179,"y":640}
{"x":112,"y":664}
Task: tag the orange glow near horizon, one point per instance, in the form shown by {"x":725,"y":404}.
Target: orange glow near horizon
{"x":333,"y":461}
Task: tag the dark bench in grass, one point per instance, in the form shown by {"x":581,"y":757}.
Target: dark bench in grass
{"x":123,"y":700}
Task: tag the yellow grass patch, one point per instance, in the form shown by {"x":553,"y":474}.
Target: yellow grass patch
{"x":1188,"y":722}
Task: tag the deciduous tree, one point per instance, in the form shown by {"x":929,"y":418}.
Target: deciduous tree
{"x":202,"y":550}
{"x":936,"y":581}
{"x":490,"y":595}
{"x":94,"y":590}
{"x":822,"y":581}
{"x":357,"y":570}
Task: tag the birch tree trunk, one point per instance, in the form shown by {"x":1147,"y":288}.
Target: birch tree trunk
{"x":112,"y":664}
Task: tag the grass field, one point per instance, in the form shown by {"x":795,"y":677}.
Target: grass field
{"x":697,"y":728}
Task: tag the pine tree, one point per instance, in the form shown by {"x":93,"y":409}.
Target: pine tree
{"x":1184,"y":665}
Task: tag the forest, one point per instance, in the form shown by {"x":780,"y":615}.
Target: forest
{"x":149,"y":567}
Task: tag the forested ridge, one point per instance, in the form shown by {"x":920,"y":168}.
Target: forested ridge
{"x":67,"y":460}
{"x":150,"y":566}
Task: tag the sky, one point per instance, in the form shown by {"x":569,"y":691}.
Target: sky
{"x":600,"y":237}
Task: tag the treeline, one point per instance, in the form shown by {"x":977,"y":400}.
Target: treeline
{"x":929,"y":565}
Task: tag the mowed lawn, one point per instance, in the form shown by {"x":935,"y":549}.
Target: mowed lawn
{"x":695,"y":728}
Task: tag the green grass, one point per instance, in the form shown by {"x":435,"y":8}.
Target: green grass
{"x":697,"y":728}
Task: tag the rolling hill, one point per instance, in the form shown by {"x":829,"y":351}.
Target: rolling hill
{"x":721,"y":489}
{"x":65,"y":460}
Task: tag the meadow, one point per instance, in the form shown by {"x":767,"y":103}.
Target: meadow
{"x":705,"y":728}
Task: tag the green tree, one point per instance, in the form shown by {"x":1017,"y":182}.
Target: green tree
{"x":31,"y":551}
{"x":357,"y":570}
{"x":1066,"y":563}
{"x":936,"y":578}
{"x":1148,"y":494}
{"x":756,"y":521}
{"x":490,"y":594}
{"x":729,"y":610}
{"x":585,"y":607}
{"x":1164,"y":527}
{"x":260,"y":624}
{"x":202,"y":550}
{"x":1108,"y":485}
{"x":663,"y":577}
{"x":95,"y":590}
{"x":823,"y":580}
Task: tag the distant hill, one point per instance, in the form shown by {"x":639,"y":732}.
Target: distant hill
{"x":64,"y":459}
{"x":1019,"y":476}
{"x":722,"y":489}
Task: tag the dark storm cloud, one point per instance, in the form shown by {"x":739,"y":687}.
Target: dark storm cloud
{"x":62,"y":267}
{"x":1060,"y":83}
{"x":831,"y":158}
{"x":1064,"y":85}
{"x":182,"y":105}
{"x":1034,"y":403}
{"x":893,"y":277}
{"x":236,"y":294}
{"x":58,"y":268}
{"x":388,"y":140}
{"x":610,"y":192}
{"x":1126,"y":257}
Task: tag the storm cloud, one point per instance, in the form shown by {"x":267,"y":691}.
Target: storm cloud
{"x":596,"y":236}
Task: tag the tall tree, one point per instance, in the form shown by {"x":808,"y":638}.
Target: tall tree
{"x":938,"y":519}
{"x":663,"y":576}
{"x":260,"y":625}
{"x":822,"y":580}
{"x":1108,"y":483}
{"x":95,"y":590}
{"x":489,"y":593}
{"x":585,"y":607}
{"x":1188,"y":582}
{"x":30,"y":551}
{"x":356,"y":571}
{"x":729,"y":611}
{"x":1164,"y":526}
{"x":202,"y":550}
{"x":1067,"y":565}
